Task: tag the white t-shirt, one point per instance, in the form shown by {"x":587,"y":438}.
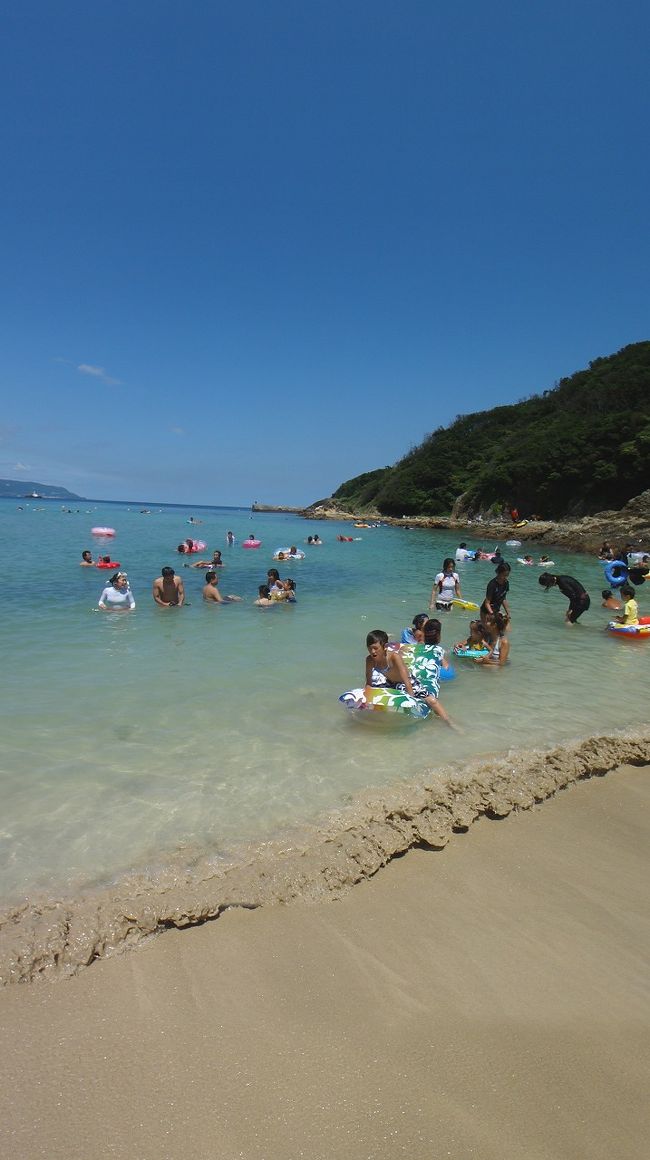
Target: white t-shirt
{"x":448,"y":590}
{"x":463,"y":554}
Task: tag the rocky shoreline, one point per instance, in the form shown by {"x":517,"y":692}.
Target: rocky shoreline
{"x":630,"y":525}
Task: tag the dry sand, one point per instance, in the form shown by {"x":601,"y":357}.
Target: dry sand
{"x":489,"y":1001}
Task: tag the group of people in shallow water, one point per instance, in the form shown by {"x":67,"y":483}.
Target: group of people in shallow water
{"x":487,"y":643}
{"x":168,"y":590}
{"x":417,"y":672}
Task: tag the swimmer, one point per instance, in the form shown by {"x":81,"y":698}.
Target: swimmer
{"x":496,"y":593}
{"x":230,"y":539}
{"x":384,"y":669}
{"x":211,"y":591}
{"x":609,"y":600}
{"x":415,"y":634}
{"x":263,"y":597}
{"x":86,"y":560}
{"x":168,"y":590}
{"x":425,"y":669}
{"x":477,"y":640}
{"x":117,"y":596}
{"x":277,"y":588}
{"x":497,"y":642}
{"x":215,"y":562}
{"x":446,"y":587}
{"x":630,"y":607}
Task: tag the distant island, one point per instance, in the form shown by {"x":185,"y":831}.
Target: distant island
{"x":29,"y":489}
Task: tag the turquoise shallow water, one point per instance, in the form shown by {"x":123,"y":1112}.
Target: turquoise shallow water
{"x":130,"y":737}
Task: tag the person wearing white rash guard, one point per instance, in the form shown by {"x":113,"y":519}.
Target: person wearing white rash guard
{"x":117,"y":596}
{"x":446,"y":587}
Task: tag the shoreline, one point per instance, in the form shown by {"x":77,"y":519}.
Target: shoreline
{"x":50,"y":938}
{"x":631,"y":524}
{"x":489,"y":1001}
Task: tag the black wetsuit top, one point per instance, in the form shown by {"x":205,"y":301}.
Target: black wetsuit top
{"x":570,"y":587}
{"x":496,"y":593}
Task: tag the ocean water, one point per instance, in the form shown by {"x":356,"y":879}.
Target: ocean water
{"x":130,"y":738}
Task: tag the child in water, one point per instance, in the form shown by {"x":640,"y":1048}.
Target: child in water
{"x":477,"y":641}
{"x":497,"y":641}
{"x":385,"y":668}
{"x":630,"y":606}
{"x":428,"y":659}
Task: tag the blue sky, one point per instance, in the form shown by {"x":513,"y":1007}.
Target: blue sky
{"x":252,"y":250}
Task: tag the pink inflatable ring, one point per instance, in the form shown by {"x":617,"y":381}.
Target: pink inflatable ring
{"x":102,"y":531}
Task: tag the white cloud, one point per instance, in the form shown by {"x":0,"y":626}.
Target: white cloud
{"x":22,"y":467}
{"x":177,"y":430}
{"x":98,"y":373}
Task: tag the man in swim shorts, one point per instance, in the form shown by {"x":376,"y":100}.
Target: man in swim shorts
{"x":578,"y":597}
{"x":168,"y":590}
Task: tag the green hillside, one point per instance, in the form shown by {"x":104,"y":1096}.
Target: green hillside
{"x":582,"y":447}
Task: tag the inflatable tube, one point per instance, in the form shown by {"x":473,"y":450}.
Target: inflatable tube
{"x":466,"y":605}
{"x":288,"y":555}
{"x":470,"y":653}
{"x":109,"y":564}
{"x":424,"y":663}
{"x":384,"y":701}
{"x":616,"y":572}
{"x":520,"y":560}
{"x":521,"y":524}
{"x":346,"y":539}
{"x":513,"y":543}
{"x":102,"y":531}
{"x":546,"y":563}
{"x":252,"y":544}
{"x":640,"y":631}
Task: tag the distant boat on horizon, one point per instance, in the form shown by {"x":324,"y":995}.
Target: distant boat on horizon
{"x":33,"y":495}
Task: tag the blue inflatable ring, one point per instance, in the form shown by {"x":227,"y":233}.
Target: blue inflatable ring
{"x":616,"y":573}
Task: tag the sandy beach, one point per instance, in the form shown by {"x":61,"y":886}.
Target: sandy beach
{"x":487,"y":1000}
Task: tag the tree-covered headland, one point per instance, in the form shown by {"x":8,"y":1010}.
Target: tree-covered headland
{"x":580,"y":448}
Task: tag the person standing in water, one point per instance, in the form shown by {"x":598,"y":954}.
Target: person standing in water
{"x":577,"y":594}
{"x":446,"y":587}
{"x":117,"y":596}
{"x":168,"y":590}
{"x":496,"y":593}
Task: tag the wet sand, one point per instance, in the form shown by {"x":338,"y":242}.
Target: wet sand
{"x":486,"y":1000}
